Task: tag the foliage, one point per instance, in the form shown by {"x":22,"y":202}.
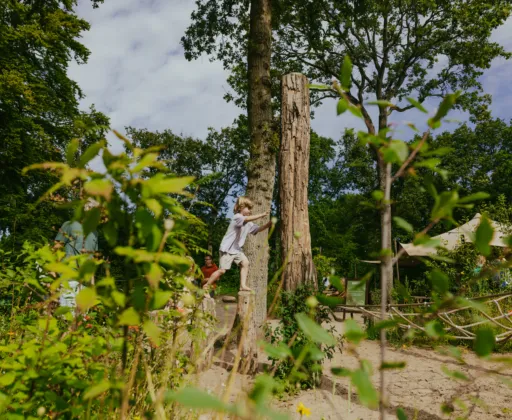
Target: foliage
{"x":218,"y":163}
{"x":38,"y":110}
{"x":91,"y":362}
{"x":291,"y":339}
{"x":395,"y":46}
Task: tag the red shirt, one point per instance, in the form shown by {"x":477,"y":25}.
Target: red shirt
{"x":208,"y":271}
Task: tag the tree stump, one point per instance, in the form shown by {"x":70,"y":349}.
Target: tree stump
{"x":293,"y":182}
{"x":246,"y":330}
{"x":205,"y":346}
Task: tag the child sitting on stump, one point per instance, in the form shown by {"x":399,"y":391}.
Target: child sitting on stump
{"x":231,"y":246}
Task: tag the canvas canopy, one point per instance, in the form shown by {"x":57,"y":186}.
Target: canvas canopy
{"x":453,"y":238}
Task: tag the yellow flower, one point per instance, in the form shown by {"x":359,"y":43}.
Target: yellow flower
{"x":303,"y":410}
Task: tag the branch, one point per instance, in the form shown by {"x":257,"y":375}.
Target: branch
{"x":411,"y":156}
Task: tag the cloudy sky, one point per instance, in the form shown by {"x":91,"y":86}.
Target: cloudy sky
{"x":138,"y":76}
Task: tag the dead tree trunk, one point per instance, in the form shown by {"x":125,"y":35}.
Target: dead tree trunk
{"x":262,"y":166}
{"x":293,"y":182}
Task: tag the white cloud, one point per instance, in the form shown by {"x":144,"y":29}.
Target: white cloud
{"x":137,"y":73}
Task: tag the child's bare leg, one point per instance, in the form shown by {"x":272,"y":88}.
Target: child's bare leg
{"x":214,"y":277}
{"x":244,"y":270}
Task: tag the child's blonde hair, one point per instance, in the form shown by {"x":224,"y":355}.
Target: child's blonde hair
{"x":241,"y":203}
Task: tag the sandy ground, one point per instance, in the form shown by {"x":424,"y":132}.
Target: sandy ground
{"x":420,"y":388}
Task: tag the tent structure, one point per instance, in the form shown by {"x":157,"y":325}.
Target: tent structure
{"x":453,"y":238}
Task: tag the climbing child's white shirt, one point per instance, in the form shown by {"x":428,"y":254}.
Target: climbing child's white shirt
{"x":236,"y":234}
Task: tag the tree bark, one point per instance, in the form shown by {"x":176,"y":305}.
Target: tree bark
{"x":385,"y":211}
{"x":293,"y":183}
{"x":264,"y":143}
{"x":247,"y":334}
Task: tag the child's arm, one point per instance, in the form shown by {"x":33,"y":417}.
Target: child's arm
{"x":264,"y":227}
{"x":255,"y":217}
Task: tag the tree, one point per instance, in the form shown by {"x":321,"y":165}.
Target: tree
{"x":264,"y":143}
{"x":399,"y":48}
{"x":38,"y":109}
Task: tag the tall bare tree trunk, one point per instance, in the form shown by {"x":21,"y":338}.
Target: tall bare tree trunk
{"x":262,"y":166}
{"x":386,"y":269}
{"x":385,"y":211}
{"x":293,"y":182}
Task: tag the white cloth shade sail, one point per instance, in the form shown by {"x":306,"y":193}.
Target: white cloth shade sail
{"x":453,"y":238}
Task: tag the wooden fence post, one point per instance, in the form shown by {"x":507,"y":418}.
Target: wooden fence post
{"x":293,"y":182}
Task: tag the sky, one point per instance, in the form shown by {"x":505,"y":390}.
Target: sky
{"x":137,"y":74}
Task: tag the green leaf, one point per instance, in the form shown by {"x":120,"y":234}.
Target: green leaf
{"x":340,"y":371}
{"x":440,"y":281}
{"x":455,"y":374}
{"x":484,"y":342}
{"x":319,"y":87}
{"x":281,"y":352}
{"x":353,"y":332}
{"x":110,"y":231}
{"x":434,"y":329}
{"x":119,"y":298}
{"x":330,"y":301}
{"x":484,"y":234}
{"x":441,"y":151}
{"x":386,"y":324}
{"x":99,"y":187}
{"x":446,"y":104}
{"x":392,"y":365}
{"x":474,"y":197}
{"x":154,"y":274}
{"x":147,"y":160}
{"x":7,"y":379}
{"x":367,"y":393}
{"x":378,"y":195}
{"x":417,"y":105}
{"x":160,"y":298}
{"x":154,"y":206}
{"x":397,"y":151}
{"x":71,"y":151}
{"x":336,"y":282}
{"x":346,"y":73}
{"x":315,"y":353}
{"x":314,"y":331}
{"x":86,"y":298}
{"x":356,"y":111}
{"x":62,"y":310}
{"x":160,"y":184}
{"x":129,"y":317}
{"x":199,"y":400}
{"x":431,"y":163}
{"x":444,"y":205}
{"x":96,"y":390}
{"x":405,"y":225}
{"x":90,"y":153}
{"x":91,"y":220}
{"x":342,"y":106}
{"x":381,"y":103}
{"x":400,"y":414}
{"x":152,"y":331}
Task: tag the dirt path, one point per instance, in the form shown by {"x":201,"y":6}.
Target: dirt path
{"x":420,"y":388}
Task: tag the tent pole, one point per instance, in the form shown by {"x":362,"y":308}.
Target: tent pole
{"x":397,"y":269}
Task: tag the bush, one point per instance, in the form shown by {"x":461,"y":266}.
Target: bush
{"x":288,"y":333}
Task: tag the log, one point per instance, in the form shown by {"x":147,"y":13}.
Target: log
{"x":293,"y":182}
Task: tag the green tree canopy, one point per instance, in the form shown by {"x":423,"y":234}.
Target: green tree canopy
{"x":38,"y":107}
